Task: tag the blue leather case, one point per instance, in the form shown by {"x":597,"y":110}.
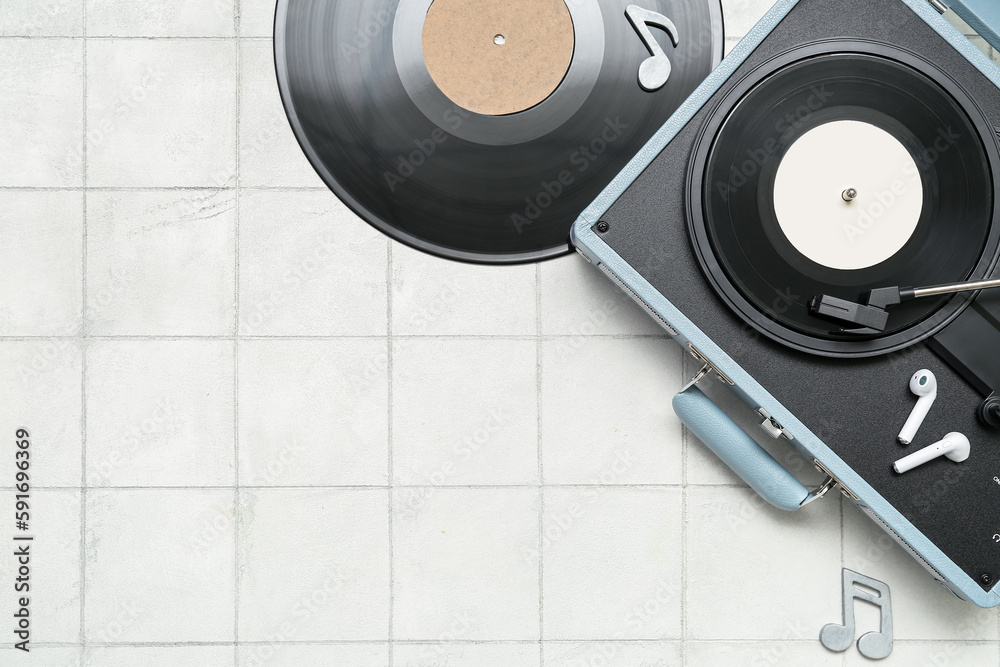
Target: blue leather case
{"x":703,"y":417}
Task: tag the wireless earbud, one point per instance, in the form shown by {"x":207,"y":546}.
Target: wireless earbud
{"x":954,"y":445}
{"x":924,"y":385}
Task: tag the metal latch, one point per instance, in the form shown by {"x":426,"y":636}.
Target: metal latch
{"x":709,"y":367}
{"x":843,"y":489}
{"x":772,"y":427}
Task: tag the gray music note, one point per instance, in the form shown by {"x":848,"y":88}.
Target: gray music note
{"x":655,"y":70}
{"x":873,"y":645}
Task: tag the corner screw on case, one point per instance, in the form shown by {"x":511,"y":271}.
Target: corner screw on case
{"x":603,"y":227}
{"x":986,"y":578}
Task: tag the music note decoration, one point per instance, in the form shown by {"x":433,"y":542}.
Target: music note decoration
{"x":655,"y":70}
{"x":873,"y":645}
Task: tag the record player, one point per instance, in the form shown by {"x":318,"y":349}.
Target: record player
{"x":817,"y":222}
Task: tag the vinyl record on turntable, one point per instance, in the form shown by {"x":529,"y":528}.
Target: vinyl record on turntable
{"x":480,"y":129}
{"x":837,"y":169}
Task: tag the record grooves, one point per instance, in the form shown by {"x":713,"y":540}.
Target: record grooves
{"x":470,"y":186}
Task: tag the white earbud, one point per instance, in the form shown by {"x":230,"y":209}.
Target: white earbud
{"x":924,"y":385}
{"x":954,"y":445}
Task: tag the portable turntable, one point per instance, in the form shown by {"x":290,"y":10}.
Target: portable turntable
{"x":816,"y":223}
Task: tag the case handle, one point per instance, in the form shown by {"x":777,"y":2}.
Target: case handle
{"x":739,"y":451}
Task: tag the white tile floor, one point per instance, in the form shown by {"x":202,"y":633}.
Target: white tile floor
{"x":265,"y":435}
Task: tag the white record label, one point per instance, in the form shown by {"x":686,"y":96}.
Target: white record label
{"x":817,"y":179}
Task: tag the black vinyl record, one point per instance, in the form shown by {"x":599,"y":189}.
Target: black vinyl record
{"x":734,"y":228}
{"x":467,"y":185}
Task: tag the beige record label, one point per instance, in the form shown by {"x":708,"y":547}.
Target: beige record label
{"x":498,"y":57}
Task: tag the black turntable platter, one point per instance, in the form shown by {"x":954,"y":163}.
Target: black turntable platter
{"x":838,"y":168}
{"x":404,"y":110}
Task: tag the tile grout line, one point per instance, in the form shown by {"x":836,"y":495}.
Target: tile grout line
{"x":440,"y":337}
{"x":843,"y":503}
{"x":83,"y":357}
{"x":684,"y":509}
{"x":131,"y":38}
{"x":162,"y":188}
{"x":541,"y":467}
{"x":385,"y":487}
{"x":237,"y":513}
{"x":389,"y":441}
{"x":508,"y":641}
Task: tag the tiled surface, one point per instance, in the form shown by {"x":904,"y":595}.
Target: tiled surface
{"x":307,"y":268}
{"x":265,"y":435}
{"x":160,"y":413}
{"x":467,"y":655}
{"x":30,"y":18}
{"x":459,"y":565}
{"x":486,"y":432}
{"x":132,"y":142}
{"x":42,"y":256}
{"x":160,"y":262}
{"x":344,"y":439}
{"x":161,"y":18}
{"x":42,"y":144}
{"x":148,"y":552}
{"x":334,"y":583}
{"x":269,"y":154}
